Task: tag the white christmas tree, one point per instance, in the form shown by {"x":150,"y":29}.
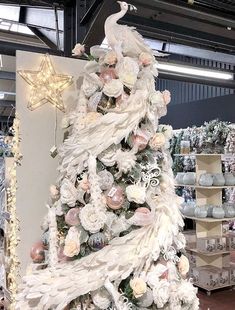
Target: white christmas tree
{"x":115,"y":206}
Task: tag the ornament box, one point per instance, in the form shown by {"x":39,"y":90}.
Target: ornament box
{"x":190,"y":237}
{"x":192,"y":257}
{"x":211,"y":244}
{"x":225,"y":228}
{"x":206,"y":276}
{"x":231,"y":270}
{"x":231,"y":241}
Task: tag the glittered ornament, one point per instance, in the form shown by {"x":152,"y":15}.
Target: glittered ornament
{"x":97,"y":241}
{"x":71,"y":217}
{"x":107,"y":75}
{"x":37,"y":252}
{"x":106,"y":179}
{"x":138,"y":142}
{"x":115,"y":198}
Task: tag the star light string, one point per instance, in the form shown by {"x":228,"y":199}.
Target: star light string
{"x":13,"y":227}
{"x":46,"y":85}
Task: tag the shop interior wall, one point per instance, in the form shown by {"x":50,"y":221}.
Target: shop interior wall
{"x":197,"y":112}
{"x":38,"y":170}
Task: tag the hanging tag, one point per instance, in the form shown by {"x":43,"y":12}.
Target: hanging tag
{"x":112,"y":192}
{"x":53,"y":151}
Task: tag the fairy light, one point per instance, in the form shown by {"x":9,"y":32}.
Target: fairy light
{"x":13,"y":228}
{"x":46,"y":85}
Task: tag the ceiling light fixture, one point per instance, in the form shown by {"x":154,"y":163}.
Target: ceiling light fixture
{"x":2,"y":95}
{"x":213,"y":74}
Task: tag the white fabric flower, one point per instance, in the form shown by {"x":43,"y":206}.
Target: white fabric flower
{"x":125,"y":161}
{"x":101,"y":298}
{"x":72,"y":242}
{"x":136,"y":193}
{"x":110,"y":58}
{"x":183,"y":265}
{"x":156,"y":98}
{"x":138,"y":286}
{"x":68,"y":193}
{"x":78,"y":50}
{"x":54,"y":192}
{"x":157,"y":141}
{"x":113,"y":88}
{"x":155,"y":273}
{"x":92,"y":219}
{"x":166,"y":96}
{"x":128,"y":70}
{"x":128,"y":79}
{"x":146,"y":59}
{"x":91,"y":84}
{"x":167,"y":130}
{"x":161,"y":293}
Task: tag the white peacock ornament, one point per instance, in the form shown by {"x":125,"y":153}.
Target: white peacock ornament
{"x":145,"y":253}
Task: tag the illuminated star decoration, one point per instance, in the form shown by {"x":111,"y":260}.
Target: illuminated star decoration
{"x":46,"y":85}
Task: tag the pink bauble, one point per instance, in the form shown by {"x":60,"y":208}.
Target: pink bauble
{"x":71,"y":217}
{"x":107,"y":75}
{"x":37,"y":252}
{"x":115,"y":198}
{"x":61,"y":257}
{"x":143,"y":210}
{"x":139,"y":142}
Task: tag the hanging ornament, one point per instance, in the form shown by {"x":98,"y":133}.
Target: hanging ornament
{"x":37,"y":252}
{"x":107,"y":75}
{"x":115,"y":198}
{"x":139,"y":142}
{"x":97,"y":241}
{"x":72,"y":216}
{"x":46,"y":85}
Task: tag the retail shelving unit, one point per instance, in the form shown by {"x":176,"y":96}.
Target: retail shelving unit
{"x":208,"y":227}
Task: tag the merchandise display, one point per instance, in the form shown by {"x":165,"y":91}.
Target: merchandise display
{"x":209,"y":246}
{"x":112,"y":238}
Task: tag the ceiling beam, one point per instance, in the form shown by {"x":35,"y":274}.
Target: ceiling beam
{"x":180,"y":34}
{"x":95,"y":34}
{"x":43,"y":37}
{"x":195,"y":12}
{"x":5,"y":75}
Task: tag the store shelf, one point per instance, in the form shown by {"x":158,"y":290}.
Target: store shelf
{"x":203,"y":155}
{"x":207,"y":253}
{"x":204,"y":187}
{"x":193,"y":155}
{"x":209,"y":219}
